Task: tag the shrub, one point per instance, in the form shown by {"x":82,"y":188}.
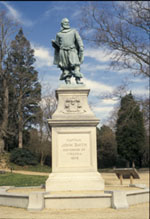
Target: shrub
{"x":22,"y":157}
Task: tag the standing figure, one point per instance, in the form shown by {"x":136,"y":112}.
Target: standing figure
{"x":68,"y":52}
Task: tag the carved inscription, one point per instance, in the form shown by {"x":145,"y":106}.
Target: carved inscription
{"x":74,"y":151}
{"x":74,"y":148}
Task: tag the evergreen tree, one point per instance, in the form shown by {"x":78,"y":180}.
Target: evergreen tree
{"x":106,"y":147}
{"x":25,"y":89}
{"x":130,"y":132}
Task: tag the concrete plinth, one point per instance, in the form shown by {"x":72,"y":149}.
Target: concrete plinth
{"x":74,"y":151}
{"x":75,"y":181}
{"x":36,"y":201}
{"x":119,"y":199}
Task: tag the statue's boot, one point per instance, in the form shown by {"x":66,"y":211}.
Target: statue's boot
{"x":78,"y":81}
{"x":78,"y":75}
{"x":65,"y":74}
{"x":67,"y":80}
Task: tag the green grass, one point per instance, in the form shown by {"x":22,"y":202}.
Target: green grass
{"x":37,"y":168}
{"x":13,"y":179}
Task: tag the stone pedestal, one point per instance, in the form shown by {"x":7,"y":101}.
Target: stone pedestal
{"x":74,"y":150}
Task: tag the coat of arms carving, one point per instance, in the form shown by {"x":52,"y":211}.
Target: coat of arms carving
{"x":73,"y":105}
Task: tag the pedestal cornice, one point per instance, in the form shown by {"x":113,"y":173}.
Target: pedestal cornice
{"x":73,"y":107}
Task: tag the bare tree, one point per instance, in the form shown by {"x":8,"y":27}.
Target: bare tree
{"x":7,"y":29}
{"x":39,"y":145}
{"x":122,"y":29}
{"x":40,"y":140}
{"x":145,"y":108}
{"x":48,"y":106}
{"x":112,"y":119}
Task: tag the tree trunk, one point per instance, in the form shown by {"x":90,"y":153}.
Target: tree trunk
{"x":42,"y":159}
{"x":20,"y":142}
{"x":2,"y":144}
{"x":20,"y":122}
{"x":4,"y":115}
{"x":133,"y":164}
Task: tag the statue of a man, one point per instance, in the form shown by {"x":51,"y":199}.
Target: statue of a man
{"x":68,"y":52}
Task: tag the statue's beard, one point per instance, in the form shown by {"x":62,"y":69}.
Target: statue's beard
{"x":66,"y":26}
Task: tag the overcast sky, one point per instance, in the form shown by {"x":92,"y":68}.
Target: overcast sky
{"x":40,"y":21}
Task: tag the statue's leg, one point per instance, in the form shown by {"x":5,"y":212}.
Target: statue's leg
{"x":67,"y":80}
{"x":78,"y":75}
{"x":67,"y":76}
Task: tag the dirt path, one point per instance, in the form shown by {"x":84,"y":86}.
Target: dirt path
{"x":140,"y":211}
{"x":27,"y":173}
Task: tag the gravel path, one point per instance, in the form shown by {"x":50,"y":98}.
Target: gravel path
{"x":140,"y":211}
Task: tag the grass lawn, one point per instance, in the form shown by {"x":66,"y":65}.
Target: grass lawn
{"x":13,"y":179}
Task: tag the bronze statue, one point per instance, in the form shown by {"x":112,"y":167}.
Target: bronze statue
{"x":68,"y":52}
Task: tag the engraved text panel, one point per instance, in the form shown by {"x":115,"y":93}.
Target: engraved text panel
{"x":74,"y":150}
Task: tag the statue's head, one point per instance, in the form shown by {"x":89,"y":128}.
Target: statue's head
{"x":65,"y":23}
